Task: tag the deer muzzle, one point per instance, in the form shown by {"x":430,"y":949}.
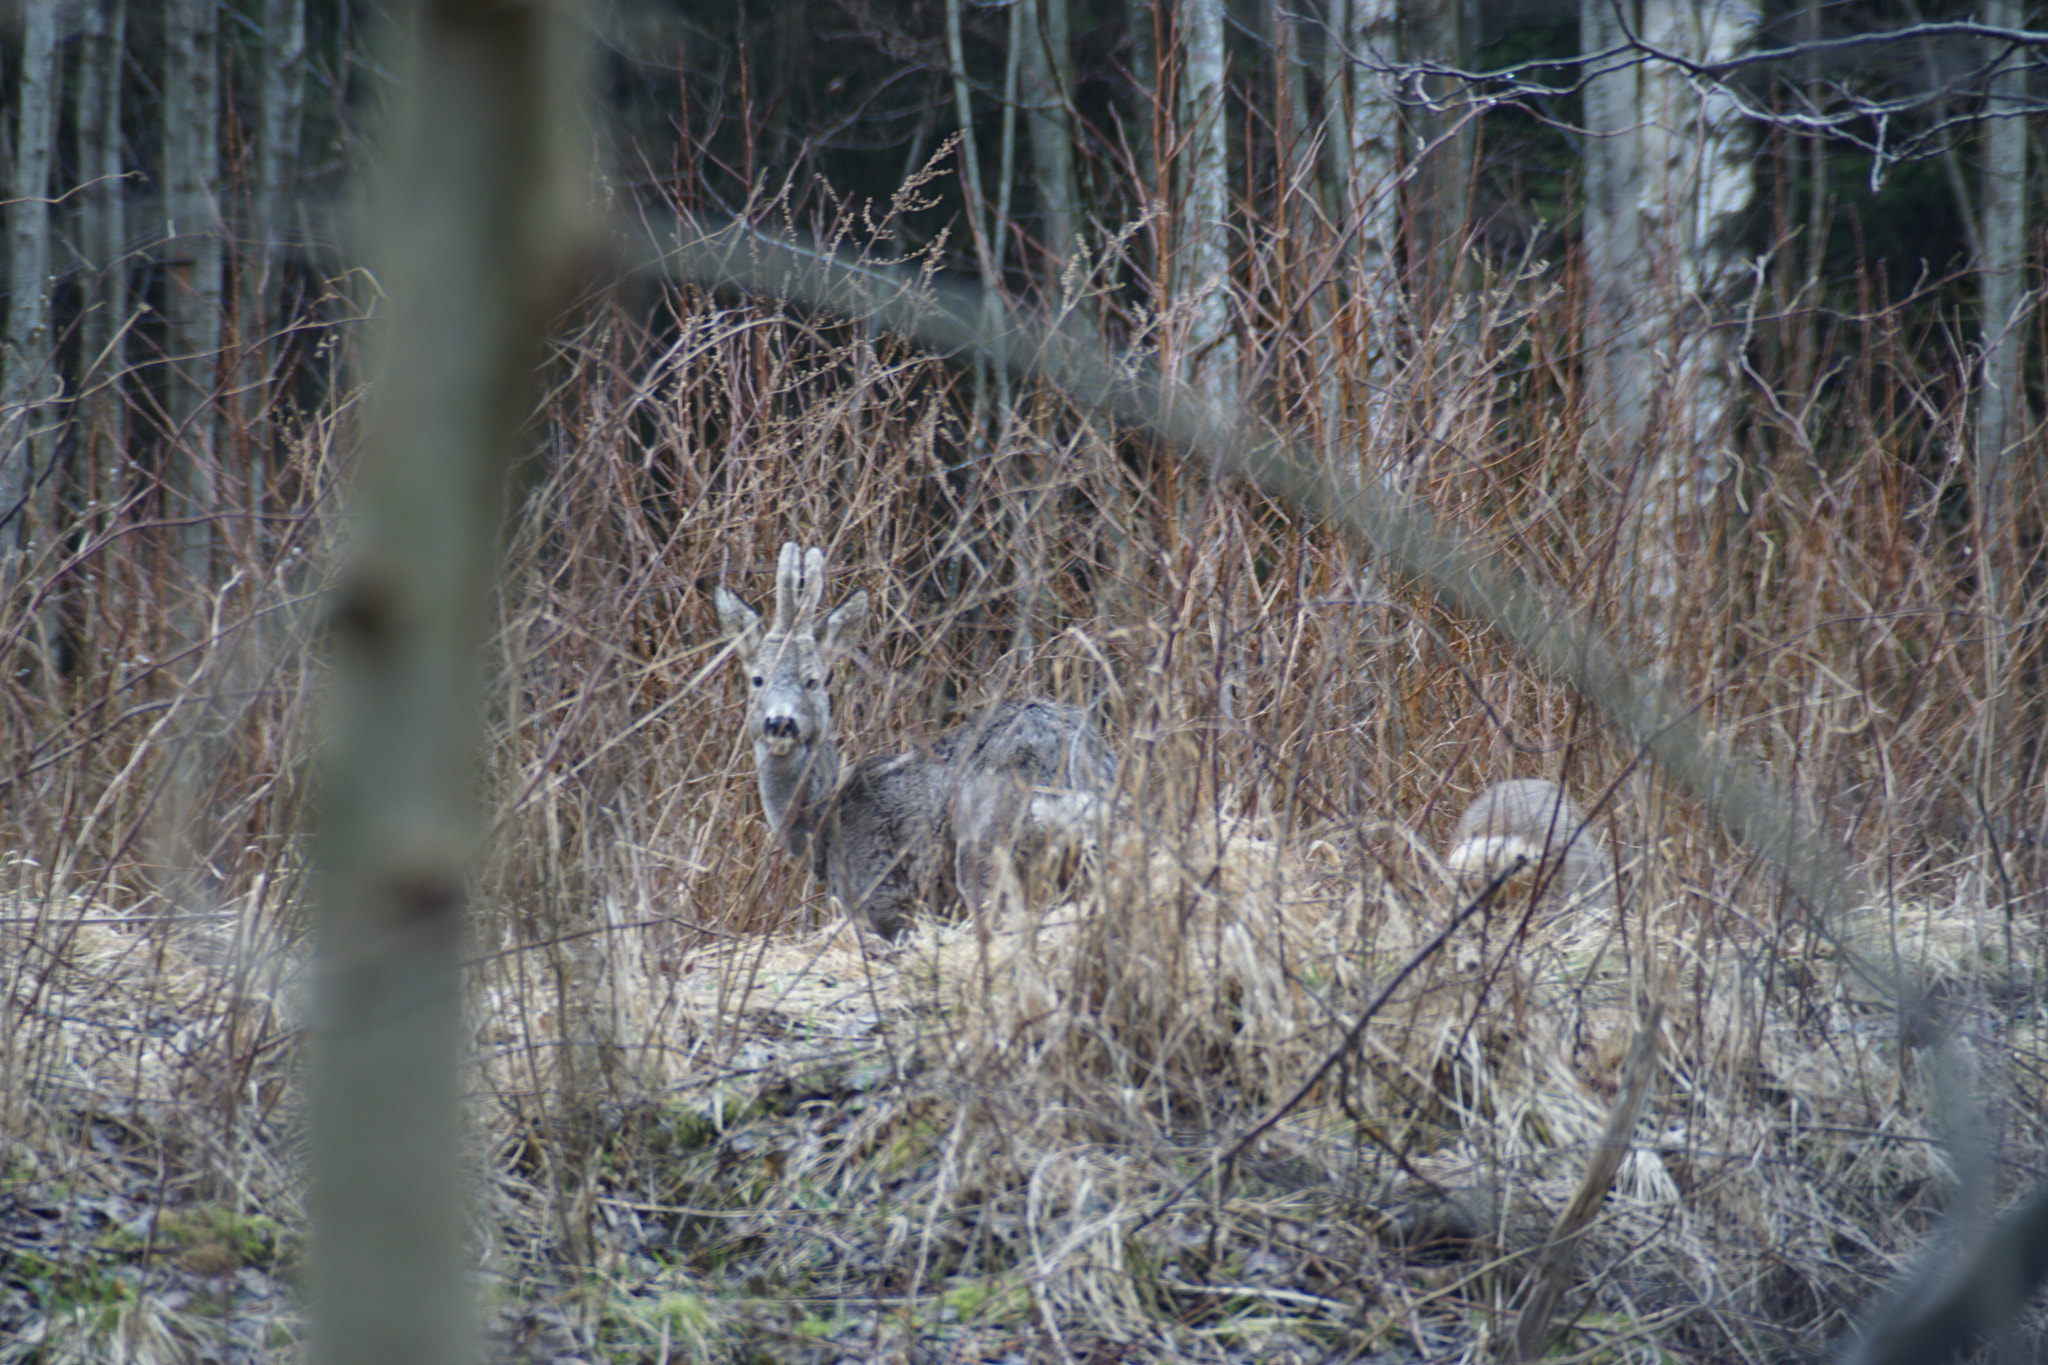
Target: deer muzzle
{"x":780,"y":734}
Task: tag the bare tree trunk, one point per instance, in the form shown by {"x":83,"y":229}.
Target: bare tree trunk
{"x":1291,"y":33}
{"x":2001,"y":396}
{"x":2001,"y":234}
{"x":1368,"y":177}
{"x":1615,"y":344}
{"x":970,"y":153}
{"x":23,"y":446}
{"x":103,"y":244}
{"x":1006,"y":169}
{"x":1141,"y":17}
{"x":1698,"y":177}
{"x":1808,"y":336}
{"x":276,"y":215}
{"x":1338,"y":110}
{"x":992,"y":382}
{"x":192,"y":290}
{"x":1048,"y":63}
{"x":1443,"y":138}
{"x":484,"y":222}
{"x":1205,"y":248}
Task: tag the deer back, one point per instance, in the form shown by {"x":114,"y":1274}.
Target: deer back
{"x":1026,"y":776}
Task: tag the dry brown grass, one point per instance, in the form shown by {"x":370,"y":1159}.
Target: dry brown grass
{"x":708,"y":1125}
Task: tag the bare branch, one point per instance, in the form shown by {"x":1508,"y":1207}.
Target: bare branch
{"x":1888,"y":128}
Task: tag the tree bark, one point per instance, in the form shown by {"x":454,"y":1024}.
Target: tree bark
{"x":1290,"y":34}
{"x":1808,"y":337}
{"x":23,"y":446}
{"x":103,"y":246}
{"x":1210,"y":356}
{"x":1614,"y":344}
{"x":1048,"y":62}
{"x":192,"y":289}
{"x":2002,"y":235}
{"x":1141,"y":17}
{"x":1364,"y":142}
{"x":283,"y":111}
{"x":484,"y":222}
{"x":1436,"y":31}
{"x":1697,"y":178}
{"x":2001,"y":392}
{"x":991,"y":383}
{"x":970,"y":151}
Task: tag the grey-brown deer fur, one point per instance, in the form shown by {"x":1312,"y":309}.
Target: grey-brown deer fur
{"x":1533,"y":819}
{"x":931,"y":824}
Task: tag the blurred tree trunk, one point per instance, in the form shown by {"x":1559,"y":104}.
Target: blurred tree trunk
{"x":2001,"y":395}
{"x":192,"y":288}
{"x":103,"y":244}
{"x":1204,"y":247}
{"x":1443,"y":139}
{"x":483,"y":227}
{"x":1048,"y":70}
{"x":23,"y":446}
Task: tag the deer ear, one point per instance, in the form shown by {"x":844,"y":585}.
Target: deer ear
{"x":740,"y":621}
{"x":843,"y":624}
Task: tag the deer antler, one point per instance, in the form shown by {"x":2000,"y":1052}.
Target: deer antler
{"x":813,"y":591}
{"x":788,"y":573}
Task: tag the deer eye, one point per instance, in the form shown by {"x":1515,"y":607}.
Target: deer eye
{"x":810,"y":684}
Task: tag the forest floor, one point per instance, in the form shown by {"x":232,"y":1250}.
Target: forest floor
{"x":1055,"y":1136}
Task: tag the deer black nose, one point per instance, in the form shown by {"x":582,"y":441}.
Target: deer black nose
{"x":779,"y":727}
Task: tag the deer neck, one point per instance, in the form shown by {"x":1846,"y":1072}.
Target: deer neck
{"x":795,"y":787}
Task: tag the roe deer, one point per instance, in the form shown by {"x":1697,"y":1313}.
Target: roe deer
{"x":1024,"y":779}
{"x":1533,"y":819}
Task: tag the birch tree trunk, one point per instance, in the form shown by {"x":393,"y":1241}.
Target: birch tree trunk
{"x":1698,"y":176}
{"x":192,"y":289}
{"x":1205,"y":253}
{"x":23,"y":446}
